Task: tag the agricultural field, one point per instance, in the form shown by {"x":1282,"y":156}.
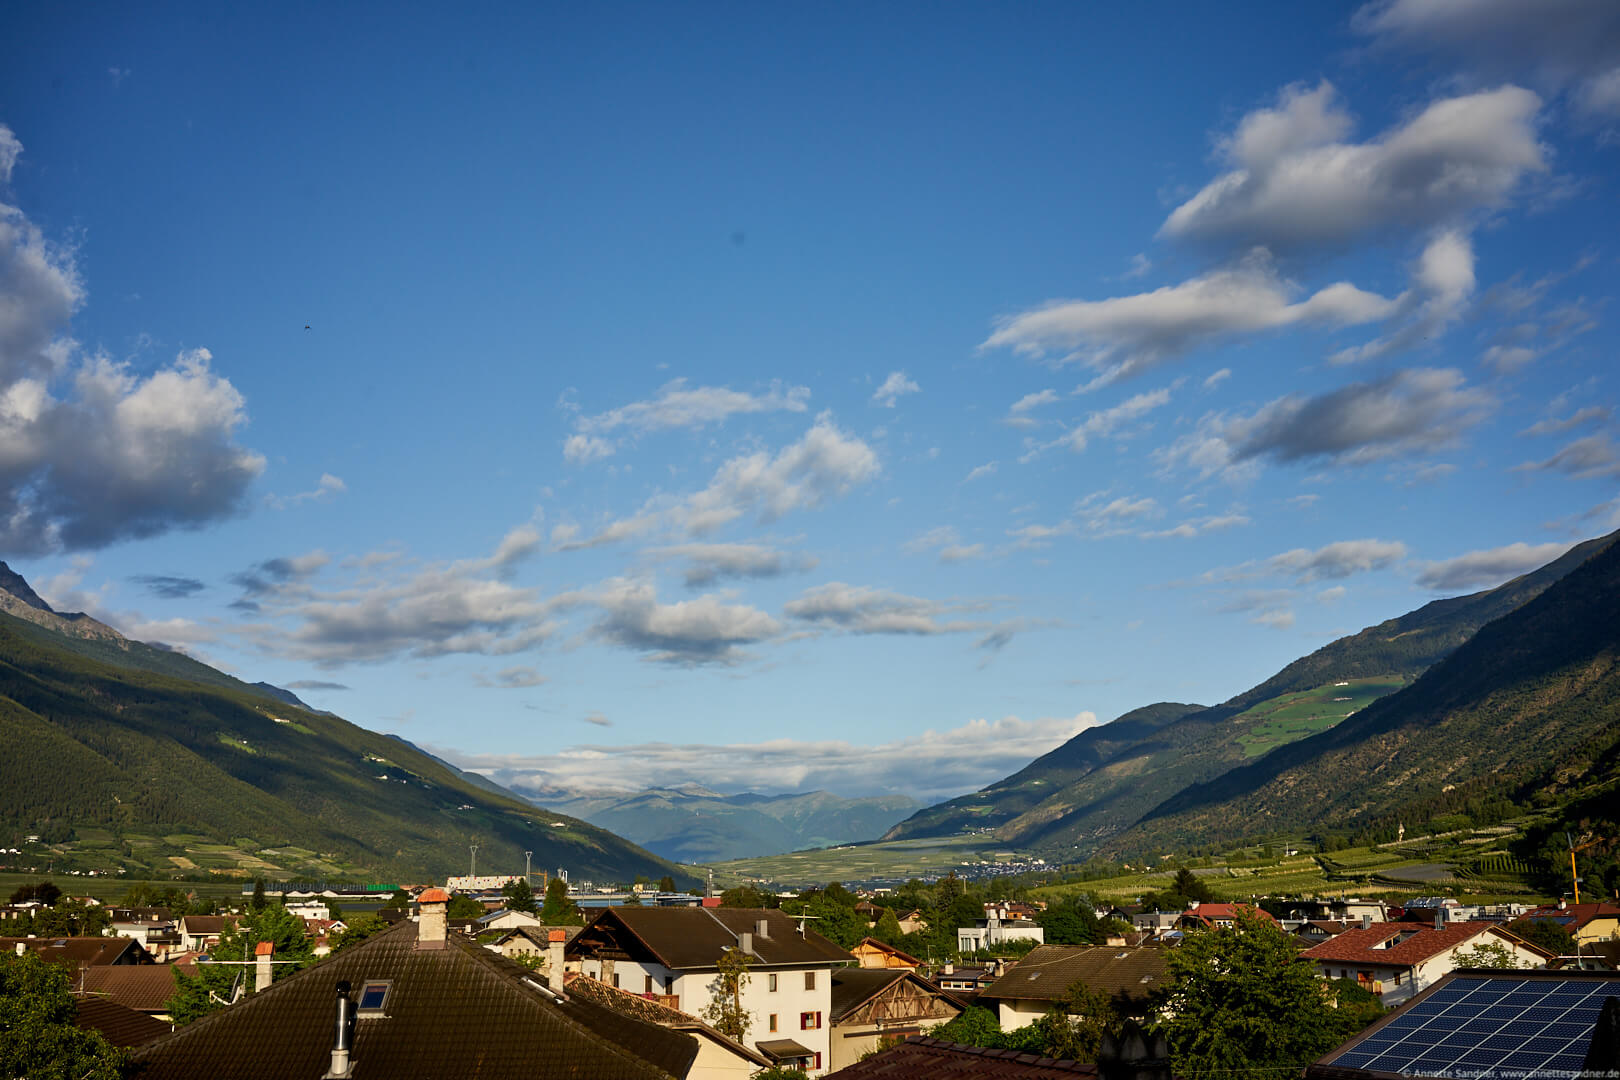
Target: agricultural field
{"x":896,"y":859}
{"x":154,"y":853}
{"x":1291,"y":717}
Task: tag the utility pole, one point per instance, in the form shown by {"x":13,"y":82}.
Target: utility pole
{"x":528,"y":868}
{"x":472,"y":871}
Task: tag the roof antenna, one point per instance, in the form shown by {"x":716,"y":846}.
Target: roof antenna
{"x":343,"y":1035}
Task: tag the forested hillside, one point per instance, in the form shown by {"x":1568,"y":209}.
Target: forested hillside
{"x":130,"y":754}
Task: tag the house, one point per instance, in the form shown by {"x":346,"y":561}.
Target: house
{"x":1396,"y":960}
{"x":921,"y":1056}
{"x":1490,"y":1024}
{"x":869,"y":911}
{"x":872,"y":953}
{"x":419,"y":1002}
{"x":506,"y":919}
{"x":871,"y":1005}
{"x":970,"y":980}
{"x":529,"y":941}
{"x":1208,"y":916}
{"x":74,"y":953}
{"x":674,"y":953}
{"x":1042,"y":978}
{"x":146,"y":988}
{"x":146,"y":929}
{"x":992,"y":932}
{"x":1588,"y":924}
{"x":199,"y":933}
{"x":718,"y":1057}
{"x":911,"y":920}
{"x":1155,"y":921}
{"x":1316,"y":931}
{"x":121,"y":1026}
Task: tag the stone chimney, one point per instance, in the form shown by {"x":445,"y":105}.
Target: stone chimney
{"x":762,"y":929}
{"x":745,"y":942}
{"x":1366,"y":922}
{"x":430,"y":929}
{"x":555,"y":941}
{"x":261,"y":965}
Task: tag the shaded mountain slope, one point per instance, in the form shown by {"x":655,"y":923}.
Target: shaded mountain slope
{"x":1529,"y":697}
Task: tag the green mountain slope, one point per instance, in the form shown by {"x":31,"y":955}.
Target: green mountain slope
{"x":130,"y":755}
{"x":695,"y":825}
{"x":1102,"y":796}
{"x":1531,"y":702}
{"x":1005,"y":800}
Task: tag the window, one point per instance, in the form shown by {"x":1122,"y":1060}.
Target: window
{"x":615,"y":979}
{"x":771,"y":982}
{"x":809,"y":980}
{"x":773,"y":1022}
{"x":373,"y":996}
{"x":809,"y":1021}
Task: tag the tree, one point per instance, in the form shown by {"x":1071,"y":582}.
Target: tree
{"x":1070,"y":921}
{"x":45,"y":892}
{"x":1243,"y":1002}
{"x":976,"y":1026}
{"x":888,"y":929}
{"x":1074,"y":1027}
{"x":38,"y":1038}
{"x":666,"y":884}
{"x":725,"y":1009}
{"x":359,"y":929}
{"x":257,"y":903}
{"x":1190,"y":888}
{"x":559,"y":908}
{"x":74,"y":918}
{"x":519,"y":895}
{"x":1490,"y":954}
{"x":400,"y":901}
{"x":218,"y":984}
{"x":463,"y":907}
{"x":746,"y":896}
{"x":1545,"y":933}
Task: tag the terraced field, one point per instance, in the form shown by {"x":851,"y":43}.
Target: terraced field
{"x":1291,"y":717}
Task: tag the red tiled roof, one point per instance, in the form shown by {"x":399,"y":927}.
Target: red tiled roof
{"x":1356,"y":945}
{"x":1578,"y":915}
{"x":939,"y":1060}
{"x":1210,"y":913}
{"x":434,"y":896}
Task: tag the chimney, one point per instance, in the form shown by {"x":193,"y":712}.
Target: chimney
{"x":950,"y":969}
{"x":1439,"y":918}
{"x":343,"y":1035}
{"x":21,"y":948}
{"x":261,"y":965}
{"x":745,"y":942}
{"x":554,"y":959}
{"x":431,"y":928}
{"x":762,"y":929}
{"x":1366,"y":922}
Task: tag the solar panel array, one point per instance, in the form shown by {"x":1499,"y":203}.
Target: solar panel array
{"x":1489,"y":1028}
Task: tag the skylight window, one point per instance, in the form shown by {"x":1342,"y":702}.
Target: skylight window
{"x":374,"y":997}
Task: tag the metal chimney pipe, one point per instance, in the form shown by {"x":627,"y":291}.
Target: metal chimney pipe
{"x":343,"y":1035}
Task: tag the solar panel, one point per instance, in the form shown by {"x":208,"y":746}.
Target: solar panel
{"x":1495,"y":1027}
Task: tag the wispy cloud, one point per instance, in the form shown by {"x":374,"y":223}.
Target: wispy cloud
{"x":1488,"y":567}
{"x":675,"y":406}
{"x":896,"y":386}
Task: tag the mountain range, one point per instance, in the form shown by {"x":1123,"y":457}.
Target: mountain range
{"x":1515,"y":685}
{"x":147,"y":758}
{"x":693,"y":824}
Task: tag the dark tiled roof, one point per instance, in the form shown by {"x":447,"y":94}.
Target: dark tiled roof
{"x":206,"y":924}
{"x":1049,"y":970}
{"x":120,"y":1026}
{"x":920,"y":1056}
{"x":77,"y":952}
{"x":143,"y":987}
{"x":854,"y":987}
{"x":456,"y":1011}
{"x":643,"y":1008}
{"x":688,"y":937}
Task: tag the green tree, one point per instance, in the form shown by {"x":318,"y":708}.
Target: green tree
{"x":1490,"y":954}
{"x":1358,"y":1005}
{"x":72,"y":918}
{"x":464,"y":907}
{"x":725,"y":1009}
{"x":218,"y":984}
{"x":1190,"y":888}
{"x":1243,"y":1002}
{"x":746,"y":896}
{"x":559,"y":908}
{"x":359,"y":929}
{"x":1545,"y":933}
{"x":38,"y":1039}
{"x":1074,"y":1027}
{"x":888,"y":929}
{"x":400,"y":901}
{"x":666,"y":884}
{"x":46,"y":892}
{"x":258,"y":901}
{"x":519,"y":895}
{"x":1070,"y":921}
{"x":976,"y":1026}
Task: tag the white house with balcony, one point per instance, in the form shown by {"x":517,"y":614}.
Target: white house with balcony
{"x":1398,"y":960}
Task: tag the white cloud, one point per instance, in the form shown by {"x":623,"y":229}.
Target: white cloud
{"x":1488,"y":568}
{"x":10,"y":151}
{"x":896,"y":385}
{"x":1340,"y":559}
{"x":931,"y":766}
{"x":1106,"y":421}
{"x":584,"y":449}
{"x":826,"y":463}
{"x":327,"y":488}
{"x":1126,"y":335}
{"x":981,"y":471}
{"x":1444,"y":277}
{"x":1277,"y":619}
{"x":709,"y":563}
{"x":1140,"y":265}
{"x":1295,"y":183}
{"x":1217,"y":378}
{"x":947,"y":543}
{"x":1593,"y":455}
{"x":1408,"y":412}
{"x":705,"y":630}
{"x":1591,"y":414}
{"x":680,"y":406}
{"x":1033,"y":401}
{"x":512,"y":678}
{"x":861,"y":609}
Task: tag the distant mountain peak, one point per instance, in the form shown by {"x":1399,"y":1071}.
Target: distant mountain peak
{"x":14,"y":583}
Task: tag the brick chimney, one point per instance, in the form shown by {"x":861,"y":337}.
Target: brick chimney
{"x":261,"y":965}
{"x":555,"y":941}
{"x":430,"y":929}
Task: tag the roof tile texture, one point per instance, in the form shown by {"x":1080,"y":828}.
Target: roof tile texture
{"x":920,"y":1056}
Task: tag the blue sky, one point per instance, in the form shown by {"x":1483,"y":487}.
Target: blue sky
{"x":860,"y":397}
